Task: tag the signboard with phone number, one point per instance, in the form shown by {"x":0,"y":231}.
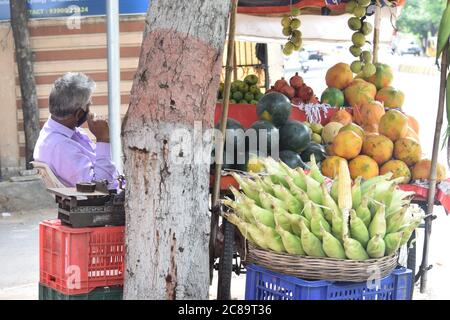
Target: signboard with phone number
{"x":39,"y":9}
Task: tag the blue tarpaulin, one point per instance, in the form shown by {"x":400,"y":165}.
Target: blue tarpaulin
{"x":66,"y":8}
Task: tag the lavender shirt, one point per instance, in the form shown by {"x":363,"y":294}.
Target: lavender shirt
{"x":72,"y":156}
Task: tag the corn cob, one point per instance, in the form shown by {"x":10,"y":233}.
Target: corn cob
{"x":298,"y":192}
{"x":374,"y":181}
{"x":331,"y":246}
{"x":358,"y":229}
{"x":315,"y":171}
{"x":356,"y":193}
{"x":409,"y":229}
{"x":248,"y":230}
{"x":354,"y":250}
{"x":281,"y":218}
{"x":313,"y":190}
{"x":395,"y":221}
{"x":345,"y":195}
{"x":267,"y":201}
{"x":271,"y":238}
{"x":329,"y":204}
{"x":392,"y":241}
{"x":335,"y":189}
{"x":318,"y":221}
{"x":292,"y":204}
{"x":378,"y":223}
{"x":292,"y":243}
{"x":249,"y":187}
{"x":310,"y":243}
{"x":376,"y":247}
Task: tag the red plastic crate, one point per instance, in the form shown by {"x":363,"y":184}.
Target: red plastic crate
{"x":78,"y":260}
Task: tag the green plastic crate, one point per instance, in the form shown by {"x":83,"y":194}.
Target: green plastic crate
{"x":105,"y":293}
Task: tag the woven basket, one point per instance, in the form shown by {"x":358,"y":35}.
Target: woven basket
{"x":315,"y":268}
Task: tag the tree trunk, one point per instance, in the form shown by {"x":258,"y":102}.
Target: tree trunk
{"x":166,"y":156}
{"x":24,"y":57}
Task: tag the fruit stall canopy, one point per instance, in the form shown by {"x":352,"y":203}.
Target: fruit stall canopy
{"x":332,"y":28}
{"x":271,"y":7}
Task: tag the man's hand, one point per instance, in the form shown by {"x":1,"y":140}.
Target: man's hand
{"x":99,"y":128}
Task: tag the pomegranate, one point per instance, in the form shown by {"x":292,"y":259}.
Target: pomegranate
{"x":305,"y":93}
{"x":296,"y":101}
{"x":296,"y":81}
{"x":288,"y":91}
{"x":279,"y":84}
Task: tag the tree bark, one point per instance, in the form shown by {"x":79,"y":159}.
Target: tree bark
{"x":171,"y":108}
{"x":24,"y":58}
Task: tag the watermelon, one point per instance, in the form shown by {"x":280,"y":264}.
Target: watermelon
{"x":292,"y":159}
{"x":294,"y":136}
{"x":317,"y":150}
{"x":234,"y":132}
{"x":262,"y":138}
{"x":274,"y":107}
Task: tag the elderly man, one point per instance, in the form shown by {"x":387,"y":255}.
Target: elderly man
{"x":63,"y":145}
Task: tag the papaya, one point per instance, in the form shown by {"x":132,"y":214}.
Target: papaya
{"x":383,"y":76}
{"x":360,"y":92}
{"x":408,"y":150}
{"x":339,"y":76}
{"x":414,"y":124}
{"x":412,"y":134}
{"x":355,"y":128}
{"x":378,"y":147}
{"x":370,"y":128}
{"x":330,"y":166}
{"x":347,"y":144}
{"x":394,"y":125}
{"x":342,"y":117}
{"x":398,"y":169}
{"x":422,"y":170}
{"x":391,"y":97}
{"x":363,"y":166}
{"x":371,"y":113}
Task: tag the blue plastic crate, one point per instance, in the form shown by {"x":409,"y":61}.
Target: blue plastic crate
{"x":263,"y":284}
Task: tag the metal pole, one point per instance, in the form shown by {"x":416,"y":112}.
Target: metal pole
{"x":112,"y":9}
{"x":221,"y":139}
{"x":434,"y":160}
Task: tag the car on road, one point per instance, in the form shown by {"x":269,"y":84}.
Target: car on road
{"x":407,"y":47}
{"x":315,"y":55}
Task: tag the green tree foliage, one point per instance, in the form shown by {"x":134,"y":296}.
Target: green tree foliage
{"x":421,"y":17}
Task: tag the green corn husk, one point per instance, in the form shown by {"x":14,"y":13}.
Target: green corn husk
{"x":363,"y":212}
{"x":358,"y":229}
{"x":393,"y":241}
{"x":271,"y":237}
{"x":318,"y":222}
{"x":354,"y":250}
{"x":263,"y":185}
{"x":241,"y":209}
{"x":310,"y":243}
{"x":295,"y":175}
{"x":332,"y":246}
{"x":374,"y":181}
{"x":356,"y":193}
{"x":275,"y":171}
{"x":292,"y":204}
{"x":249,"y":187}
{"x":308,"y":208}
{"x":385,"y":195}
{"x":291,"y":242}
{"x":282,"y":218}
{"x":400,"y":199}
{"x":396,"y":220}
{"x":314,"y":171}
{"x":313,"y":190}
{"x":335,"y":190}
{"x":336,"y":225}
{"x":329,"y":203}
{"x":409,"y":229}
{"x":298,"y":192}
{"x":378,"y":223}
{"x":300,"y":180}
{"x":267,"y":201}
{"x":296,"y":221}
{"x":376,"y":248}
{"x":249,"y":231}
{"x":262,"y":215}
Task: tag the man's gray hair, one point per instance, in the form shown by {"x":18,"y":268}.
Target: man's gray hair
{"x":69,"y":93}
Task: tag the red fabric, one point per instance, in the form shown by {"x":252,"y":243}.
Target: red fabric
{"x":422,"y":195}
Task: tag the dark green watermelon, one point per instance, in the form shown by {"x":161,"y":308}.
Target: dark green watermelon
{"x":262,"y":138}
{"x":234,"y":134}
{"x":274,"y":107}
{"x":292,"y":159}
{"x":294,"y":136}
{"x":314,"y":148}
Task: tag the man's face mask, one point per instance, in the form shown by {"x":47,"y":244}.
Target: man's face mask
{"x":83,"y":119}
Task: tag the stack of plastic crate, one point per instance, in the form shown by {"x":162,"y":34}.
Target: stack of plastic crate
{"x":81,"y":263}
